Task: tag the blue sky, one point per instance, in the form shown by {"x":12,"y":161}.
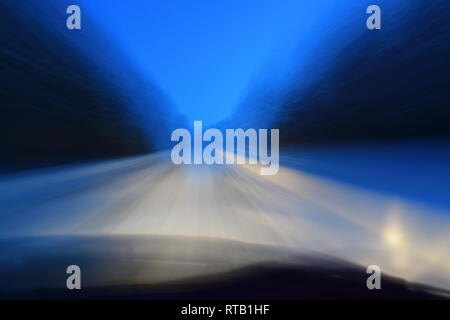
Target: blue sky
{"x":204,"y":55}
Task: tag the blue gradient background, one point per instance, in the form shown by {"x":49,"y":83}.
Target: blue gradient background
{"x":205,"y":55}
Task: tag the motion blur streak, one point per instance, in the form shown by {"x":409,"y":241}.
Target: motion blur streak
{"x":364,"y":149}
{"x":148,"y":195}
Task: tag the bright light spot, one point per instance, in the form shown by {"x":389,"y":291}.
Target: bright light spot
{"x":393,"y":236}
